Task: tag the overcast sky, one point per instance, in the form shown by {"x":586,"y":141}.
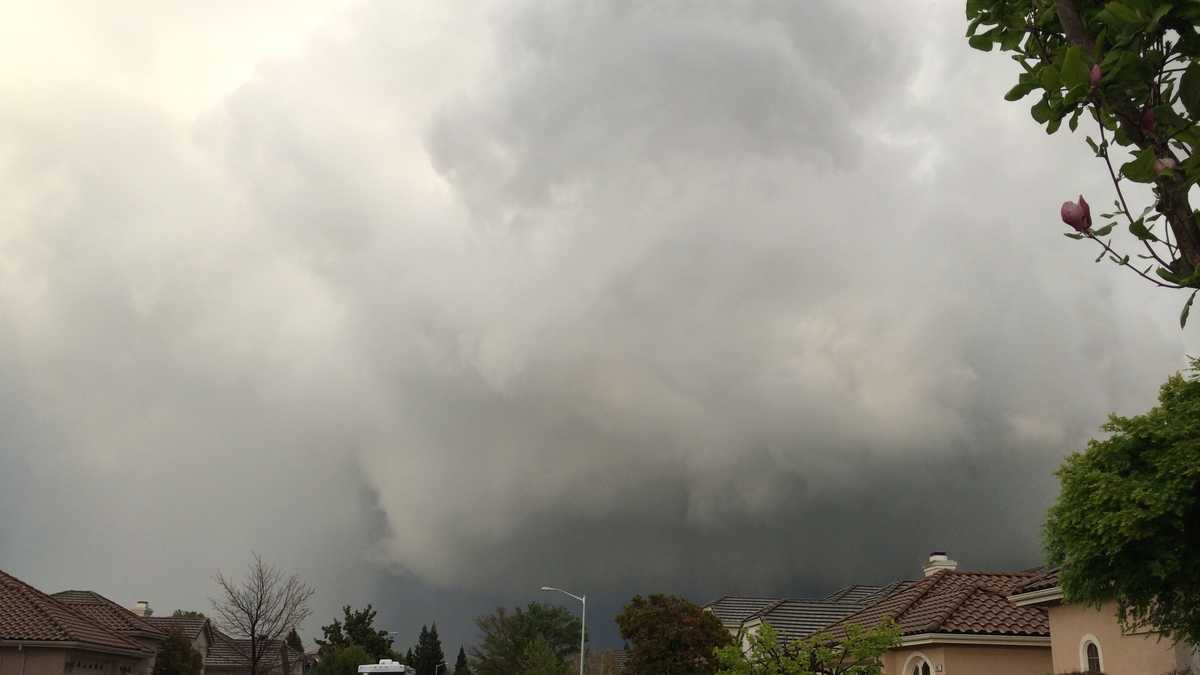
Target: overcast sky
{"x":435,"y":303}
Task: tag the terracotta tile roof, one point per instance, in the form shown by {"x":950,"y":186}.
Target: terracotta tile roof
{"x":956,"y":602}
{"x":190,"y":627}
{"x":1048,"y":578}
{"x":732,"y":610}
{"x":29,"y":614}
{"x":109,"y":614}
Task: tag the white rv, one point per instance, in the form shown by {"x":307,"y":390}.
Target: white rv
{"x":387,"y":666}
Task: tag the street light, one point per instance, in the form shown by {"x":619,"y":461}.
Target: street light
{"x":441,"y":667}
{"x":582,"y":619}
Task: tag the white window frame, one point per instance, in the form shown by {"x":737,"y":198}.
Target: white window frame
{"x":1086,"y":640}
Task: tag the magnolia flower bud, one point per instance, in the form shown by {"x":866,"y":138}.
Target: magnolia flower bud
{"x":1148,"y":122}
{"x":1164,"y":164}
{"x":1094,"y":77}
{"x":1077,"y":215}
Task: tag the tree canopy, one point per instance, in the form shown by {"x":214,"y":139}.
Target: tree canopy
{"x":187,"y":614}
{"x":461,"y":665}
{"x":343,"y":661}
{"x":262,"y":607}
{"x":670,"y":636}
{"x":1127,"y":71}
{"x":859,"y":652}
{"x":508,"y":635}
{"x":176,"y":656}
{"x":428,"y":654}
{"x":1126,"y":526}
{"x":356,"y":628}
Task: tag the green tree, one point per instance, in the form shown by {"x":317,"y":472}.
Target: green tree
{"x":461,"y":666}
{"x":507,"y":635}
{"x":538,"y":658}
{"x":410,"y":659}
{"x":1131,"y":70}
{"x":343,"y":661}
{"x":356,"y":628}
{"x":293,"y":640}
{"x":670,"y":636}
{"x":1126,"y":526}
{"x":859,"y":652}
{"x":428,"y":653}
{"x":176,"y":656}
{"x":187,"y":614}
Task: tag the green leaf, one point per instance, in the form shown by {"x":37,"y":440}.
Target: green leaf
{"x":1041,"y":111}
{"x":1138,"y":229}
{"x":1189,"y":89}
{"x":1141,"y":168}
{"x":1187,"y":308}
{"x":1074,"y":68}
{"x":1074,"y":123}
{"x":1104,"y":230}
{"x":1159,"y":14}
{"x":981,"y":42}
{"x":1122,"y":13}
{"x":1049,"y":78}
{"x":1166,"y":275}
{"x":1073,"y":235}
{"x":1018,"y":92}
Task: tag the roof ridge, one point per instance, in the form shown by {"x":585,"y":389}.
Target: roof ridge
{"x":964,"y":594}
{"x":38,"y":600}
{"x":127,"y":615}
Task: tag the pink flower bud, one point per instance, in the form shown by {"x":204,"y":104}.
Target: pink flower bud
{"x":1164,"y":164}
{"x":1148,"y":122}
{"x":1077,"y":215}
{"x":1094,"y":77}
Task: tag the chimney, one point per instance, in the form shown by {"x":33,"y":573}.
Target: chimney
{"x":938,"y":561}
{"x":142,"y":608}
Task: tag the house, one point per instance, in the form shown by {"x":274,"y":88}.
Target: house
{"x":117,"y":619}
{"x":231,"y":656}
{"x":1090,"y":639}
{"x":794,"y":618}
{"x":802,"y":618}
{"x":198,"y":630}
{"x":42,"y":635}
{"x":958,"y":622}
{"x":733,"y":610}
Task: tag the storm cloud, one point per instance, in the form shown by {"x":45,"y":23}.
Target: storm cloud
{"x":436,"y":304}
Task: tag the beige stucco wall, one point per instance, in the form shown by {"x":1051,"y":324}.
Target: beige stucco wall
{"x":53,"y":661}
{"x":971,"y":660}
{"x":895,"y":660}
{"x":977,"y":660}
{"x":31,"y":661}
{"x":1139,"y":654}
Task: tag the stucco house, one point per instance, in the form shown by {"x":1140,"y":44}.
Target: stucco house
{"x":1089,"y":639}
{"x":41,"y":635}
{"x":198,"y":630}
{"x":960,"y":623}
{"x":231,"y":656}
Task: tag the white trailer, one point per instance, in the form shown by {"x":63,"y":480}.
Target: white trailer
{"x":387,"y":666}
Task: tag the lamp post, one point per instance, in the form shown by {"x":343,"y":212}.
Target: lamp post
{"x":439,"y":668}
{"x":582,"y":620}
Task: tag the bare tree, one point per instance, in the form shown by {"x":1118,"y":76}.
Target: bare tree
{"x":262,"y":608}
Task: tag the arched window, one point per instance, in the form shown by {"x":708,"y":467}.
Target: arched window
{"x":1092,"y":651}
{"x":921,"y":668}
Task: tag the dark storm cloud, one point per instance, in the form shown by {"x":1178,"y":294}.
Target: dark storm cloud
{"x":698,"y":297}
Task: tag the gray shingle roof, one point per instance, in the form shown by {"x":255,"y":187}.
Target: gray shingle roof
{"x":190,"y":627}
{"x":798,"y":619}
{"x":732,"y":610}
